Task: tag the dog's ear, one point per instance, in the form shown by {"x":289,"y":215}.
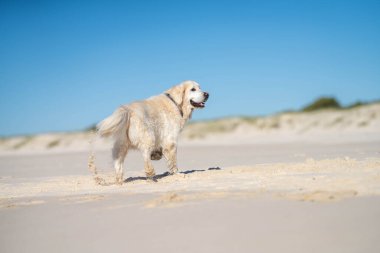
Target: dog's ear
{"x":177,"y":93}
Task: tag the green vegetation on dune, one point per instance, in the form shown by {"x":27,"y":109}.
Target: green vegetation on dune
{"x":332,"y":103}
{"x":322,"y":103}
{"x":356,"y":104}
{"x":91,"y":128}
{"x":23,"y":142}
{"x":53,"y":143}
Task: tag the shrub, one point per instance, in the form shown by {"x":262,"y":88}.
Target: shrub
{"x":356,"y":104}
{"x":91,"y":128}
{"x":322,"y":103}
{"x":53,"y":144}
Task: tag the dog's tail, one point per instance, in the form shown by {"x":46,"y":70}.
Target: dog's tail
{"x":115,"y":125}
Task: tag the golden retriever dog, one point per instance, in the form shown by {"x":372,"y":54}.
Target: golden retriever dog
{"x":152,"y":126}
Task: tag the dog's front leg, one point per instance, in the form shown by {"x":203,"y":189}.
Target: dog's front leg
{"x":170,"y":153}
{"x":149,"y":170}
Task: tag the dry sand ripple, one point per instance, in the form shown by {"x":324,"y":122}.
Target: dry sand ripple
{"x":312,"y":180}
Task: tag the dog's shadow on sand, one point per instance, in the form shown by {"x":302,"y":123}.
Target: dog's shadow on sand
{"x":166,"y":174}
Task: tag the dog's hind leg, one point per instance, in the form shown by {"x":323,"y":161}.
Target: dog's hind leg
{"x":119,"y":152}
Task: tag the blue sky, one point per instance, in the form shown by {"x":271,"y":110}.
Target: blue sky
{"x":65,"y":65}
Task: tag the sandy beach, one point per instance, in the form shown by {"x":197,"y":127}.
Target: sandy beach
{"x":305,"y":193}
{"x":268,"y":113}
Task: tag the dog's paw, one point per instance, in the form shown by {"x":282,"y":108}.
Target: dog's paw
{"x":119,"y":182}
{"x":150,"y":175}
{"x":151,"y":179}
{"x":174,"y":171}
{"x":119,"y":179}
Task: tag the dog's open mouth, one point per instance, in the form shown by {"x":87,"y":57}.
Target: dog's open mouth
{"x":197,"y":105}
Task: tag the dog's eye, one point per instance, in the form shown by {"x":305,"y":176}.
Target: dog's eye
{"x":193,"y":89}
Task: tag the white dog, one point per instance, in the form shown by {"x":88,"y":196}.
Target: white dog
{"x":152,"y":126}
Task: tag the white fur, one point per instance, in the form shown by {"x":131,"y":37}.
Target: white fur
{"x":197,"y":96}
{"x":152,"y":126}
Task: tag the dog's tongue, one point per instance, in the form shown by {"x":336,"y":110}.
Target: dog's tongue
{"x":199,"y":105}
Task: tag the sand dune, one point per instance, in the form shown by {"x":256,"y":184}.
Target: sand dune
{"x":344,"y":125}
{"x":330,"y":125}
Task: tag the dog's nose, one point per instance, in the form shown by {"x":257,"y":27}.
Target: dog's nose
{"x":206,"y":95}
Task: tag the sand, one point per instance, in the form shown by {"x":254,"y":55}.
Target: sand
{"x":321,"y":180}
{"x":289,"y":197}
{"x":292,"y":182}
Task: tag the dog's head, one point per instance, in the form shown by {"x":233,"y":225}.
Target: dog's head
{"x":188,"y":95}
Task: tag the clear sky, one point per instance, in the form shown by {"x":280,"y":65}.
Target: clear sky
{"x":66,"y":65}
